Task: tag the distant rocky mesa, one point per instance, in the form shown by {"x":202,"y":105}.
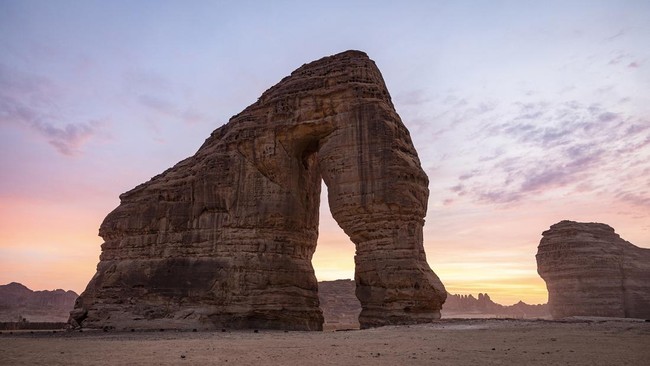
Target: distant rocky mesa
{"x":20,"y":304}
{"x":339,"y":304}
{"x":225,"y":238}
{"x":590,"y":271}
{"x":465,"y":306}
{"x":341,"y":308}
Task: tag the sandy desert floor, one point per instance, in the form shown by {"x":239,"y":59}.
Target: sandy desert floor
{"x":446,"y":342}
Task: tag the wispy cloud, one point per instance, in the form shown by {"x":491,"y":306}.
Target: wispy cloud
{"x":618,"y":34}
{"x":451,"y":114}
{"x":641,"y":199}
{"x":32,"y":102}
{"x":544,"y":147}
{"x":627,"y":59}
{"x":618,"y":58}
{"x":68,"y":139}
{"x":561,"y":173}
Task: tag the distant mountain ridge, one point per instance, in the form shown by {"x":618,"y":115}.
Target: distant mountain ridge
{"x":337,"y":298}
{"x":341,"y":307}
{"x":17,"y":302}
{"x":468,"y":305}
{"x":339,"y":304}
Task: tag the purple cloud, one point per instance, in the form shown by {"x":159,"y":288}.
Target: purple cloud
{"x":32,"y":102}
{"x":638,"y":199}
{"x":458,"y":189}
{"x":607,"y":116}
{"x":69,"y":139}
{"x":617,"y":35}
{"x":468,"y":175}
{"x":498,"y":196}
{"x":559,"y":175}
{"x":542,"y":147}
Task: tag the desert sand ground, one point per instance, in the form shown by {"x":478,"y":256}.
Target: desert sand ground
{"x":446,"y":342}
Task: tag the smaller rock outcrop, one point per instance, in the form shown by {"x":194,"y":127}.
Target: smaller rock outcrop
{"x":590,"y":271}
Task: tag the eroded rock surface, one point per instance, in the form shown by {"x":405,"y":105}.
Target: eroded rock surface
{"x":225,"y":238}
{"x":590,"y":271}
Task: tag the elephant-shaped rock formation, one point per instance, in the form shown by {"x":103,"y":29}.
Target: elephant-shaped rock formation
{"x":590,"y":271}
{"x":225,"y":238}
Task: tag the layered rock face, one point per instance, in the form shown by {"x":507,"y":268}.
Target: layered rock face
{"x":590,"y":271}
{"x":225,"y":238}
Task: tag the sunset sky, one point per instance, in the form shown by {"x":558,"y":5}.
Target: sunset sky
{"x":524,"y":113}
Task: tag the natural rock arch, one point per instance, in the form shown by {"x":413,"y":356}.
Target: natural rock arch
{"x":225,"y":238}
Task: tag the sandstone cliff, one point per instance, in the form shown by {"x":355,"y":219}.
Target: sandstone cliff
{"x":18,"y":302}
{"x":590,"y":271}
{"x":225,"y":238}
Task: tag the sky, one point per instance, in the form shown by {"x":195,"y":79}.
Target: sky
{"x":523,"y":113}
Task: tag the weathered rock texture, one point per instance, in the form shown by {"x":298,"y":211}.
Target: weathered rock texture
{"x":225,"y":238}
{"x":590,"y":271}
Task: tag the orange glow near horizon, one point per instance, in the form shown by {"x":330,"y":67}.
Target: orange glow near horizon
{"x":505,"y":274}
{"x":48,"y":246}
{"x":506,"y":285}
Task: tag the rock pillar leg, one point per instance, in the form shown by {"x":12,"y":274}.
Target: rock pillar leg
{"x":378,"y":195}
